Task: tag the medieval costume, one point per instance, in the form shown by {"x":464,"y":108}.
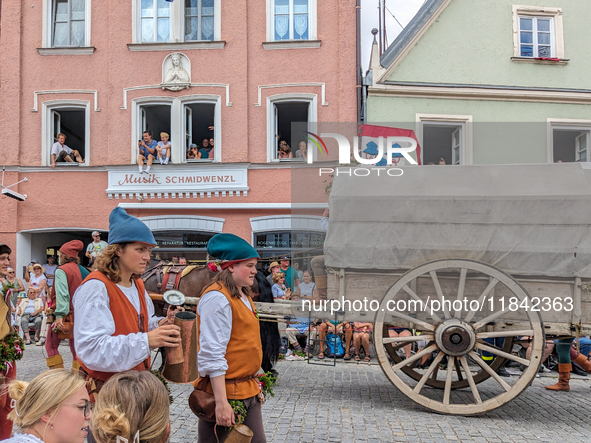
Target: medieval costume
{"x":68,"y":277}
{"x":229,"y":343}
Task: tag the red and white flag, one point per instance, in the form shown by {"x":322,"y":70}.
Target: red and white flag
{"x":369,"y":138}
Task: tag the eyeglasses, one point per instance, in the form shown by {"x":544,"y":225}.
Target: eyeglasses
{"x":86,"y":408}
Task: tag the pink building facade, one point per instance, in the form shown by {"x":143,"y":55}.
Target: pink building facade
{"x":104,"y":72}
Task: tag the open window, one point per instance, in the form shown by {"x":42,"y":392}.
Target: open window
{"x":289,"y":116}
{"x":156,"y":119}
{"x":445,"y":138}
{"x":199,"y":123}
{"x":72,"y":123}
{"x":442,"y":141}
{"x":571,"y":145}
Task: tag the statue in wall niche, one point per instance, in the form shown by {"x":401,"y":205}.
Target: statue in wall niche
{"x":175,"y":76}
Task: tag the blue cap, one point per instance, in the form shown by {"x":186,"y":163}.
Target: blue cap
{"x":125,"y":228}
{"x":230,"y":247}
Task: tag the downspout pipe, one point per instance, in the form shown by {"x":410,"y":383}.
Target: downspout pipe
{"x":358,"y":58}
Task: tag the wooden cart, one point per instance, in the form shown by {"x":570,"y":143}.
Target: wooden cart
{"x":472,"y":260}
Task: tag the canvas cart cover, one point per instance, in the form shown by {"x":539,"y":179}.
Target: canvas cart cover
{"x":524,"y":219}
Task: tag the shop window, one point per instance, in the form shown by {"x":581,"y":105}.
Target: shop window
{"x":174,"y":245}
{"x":162,"y":21}
{"x":442,"y":141}
{"x":199,"y":130}
{"x":300,"y":246}
{"x":290,"y":122}
{"x":72,"y":123}
{"x":571,"y":145}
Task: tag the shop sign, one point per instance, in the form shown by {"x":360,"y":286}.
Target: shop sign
{"x":192,"y":182}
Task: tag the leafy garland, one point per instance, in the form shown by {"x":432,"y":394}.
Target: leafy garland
{"x":266,"y":382}
{"x":11,"y":349}
{"x":164,"y":382}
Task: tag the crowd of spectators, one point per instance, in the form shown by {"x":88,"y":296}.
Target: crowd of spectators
{"x":29,"y":301}
{"x":151,"y":151}
{"x":205,"y":152}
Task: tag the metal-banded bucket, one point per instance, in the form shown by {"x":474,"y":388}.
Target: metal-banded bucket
{"x":181,"y":362}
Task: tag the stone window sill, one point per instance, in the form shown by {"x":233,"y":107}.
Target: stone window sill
{"x":80,"y":50}
{"x":293,"y":44}
{"x":180,"y":46}
{"x":562,"y":61}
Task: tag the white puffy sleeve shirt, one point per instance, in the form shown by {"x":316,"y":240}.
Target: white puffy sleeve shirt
{"x":94,"y":328}
{"x":215,"y":327}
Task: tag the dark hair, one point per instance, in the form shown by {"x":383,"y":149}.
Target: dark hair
{"x":224,"y":278}
{"x":148,"y":132}
{"x":4,"y":249}
{"x":68,"y":259}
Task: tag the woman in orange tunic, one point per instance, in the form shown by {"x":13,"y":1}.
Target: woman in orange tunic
{"x":229,"y":342}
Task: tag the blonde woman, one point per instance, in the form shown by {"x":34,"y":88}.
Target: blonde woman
{"x":280,"y":289}
{"x":132,"y":404}
{"x":53,"y":408}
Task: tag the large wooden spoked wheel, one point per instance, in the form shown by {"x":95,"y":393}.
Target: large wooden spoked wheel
{"x":457,"y":335}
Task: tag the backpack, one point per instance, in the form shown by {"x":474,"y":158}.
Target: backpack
{"x":335,"y":346}
{"x":284,"y":346}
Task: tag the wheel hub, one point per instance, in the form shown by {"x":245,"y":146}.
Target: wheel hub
{"x":454,"y":337}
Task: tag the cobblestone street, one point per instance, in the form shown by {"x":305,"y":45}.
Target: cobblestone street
{"x":356,"y":403}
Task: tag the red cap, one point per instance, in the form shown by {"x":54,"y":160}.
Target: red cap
{"x":72,"y":248}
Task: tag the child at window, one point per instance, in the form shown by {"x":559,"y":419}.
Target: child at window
{"x":163,"y":148}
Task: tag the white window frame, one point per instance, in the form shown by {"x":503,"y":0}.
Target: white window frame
{"x":570,"y":125}
{"x":465,"y":121}
{"x":177,"y":124}
{"x":177,"y":23}
{"x":217,"y":126}
{"x":539,"y":12}
{"x":47,"y":126}
{"x":47,"y":26}
{"x":535,"y":33}
{"x":312,"y":21}
{"x":312,"y":100}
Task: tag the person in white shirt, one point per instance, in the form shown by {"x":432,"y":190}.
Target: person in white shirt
{"x":94,"y":249}
{"x":163,"y":148}
{"x":60,"y":152}
{"x":50,"y":268}
{"x":37,"y":279}
{"x":115,"y":325}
